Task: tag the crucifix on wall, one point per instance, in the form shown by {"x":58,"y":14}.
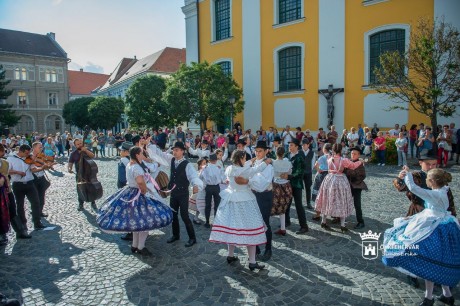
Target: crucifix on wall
{"x":329,"y":94}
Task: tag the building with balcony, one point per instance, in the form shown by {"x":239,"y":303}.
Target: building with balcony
{"x":36,"y":65}
{"x":284,"y":52}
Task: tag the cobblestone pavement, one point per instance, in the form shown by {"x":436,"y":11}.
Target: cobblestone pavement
{"x":77,"y":264}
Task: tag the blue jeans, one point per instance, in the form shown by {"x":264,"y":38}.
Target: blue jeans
{"x":380,"y":156}
{"x":411,"y":146}
{"x":102,"y":150}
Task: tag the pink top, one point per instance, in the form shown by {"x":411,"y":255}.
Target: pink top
{"x":380,"y":141}
{"x":413,"y":134}
{"x":220,"y":141}
{"x":337,"y":165}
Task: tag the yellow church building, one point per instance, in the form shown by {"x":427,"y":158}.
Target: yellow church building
{"x":286,"y":54}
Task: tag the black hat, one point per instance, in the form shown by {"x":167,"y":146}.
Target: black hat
{"x":126,"y":145}
{"x":261,"y":145}
{"x":241,"y":141}
{"x":427,"y":157}
{"x":204,"y":141}
{"x":180,"y":145}
{"x":212,"y":157}
{"x":135,"y":139}
{"x":305,"y":141}
{"x":295,"y":141}
{"x":277,"y":138}
{"x":356,"y":148}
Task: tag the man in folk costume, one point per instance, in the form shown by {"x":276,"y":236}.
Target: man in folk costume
{"x":308,"y":174}
{"x":261,"y":185}
{"x":241,"y":146}
{"x":356,"y":178}
{"x":182,"y":175}
{"x":202,"y":152}
{"x":296,"y":180}
{"x":427,"y":162}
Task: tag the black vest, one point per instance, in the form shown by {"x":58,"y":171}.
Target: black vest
{"x":179,"y":178}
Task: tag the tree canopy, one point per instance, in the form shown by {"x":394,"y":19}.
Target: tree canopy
{"x":144,"y":102}
{"x":427,"y":76}
{"x":8,"y":117}
{"x":75,"y":112}
{"x":105,"y":112}
{"x":202,"y":92}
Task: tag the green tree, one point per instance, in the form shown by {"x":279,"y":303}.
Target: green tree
{"x":75,"y":112}
{"x":144,"y":104}
{"x":427,"y":76}
{"x":8,"y":117}
{"x":105,"y":112}
{"x":201,"y":92}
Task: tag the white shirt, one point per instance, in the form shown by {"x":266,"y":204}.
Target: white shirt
{"x":393,"y":132}
{"x":211,"y":175}
{"x":287,"y":136}
{"x":192,"y":174}
{"x":281,"y":166}
{"x":353,"y":138}
{"x":18,"y":164}
{"x":199,"y":152}
{"x":261,"y":181}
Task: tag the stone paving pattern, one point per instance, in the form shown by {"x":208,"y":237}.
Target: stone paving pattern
{"x":77,"y":264}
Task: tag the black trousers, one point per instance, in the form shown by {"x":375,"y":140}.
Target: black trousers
{"x":180,"y":203}
{"x":12,"y":210}
{"x":357,"y":202}
{"x":265,"y":202}
{"x":297,"y":196}
{"x":42,"y":184}
{"x":308,"y":181}
{"x":80,"y":200}
{"x":21,"y":191}
{"x":212,"y":191}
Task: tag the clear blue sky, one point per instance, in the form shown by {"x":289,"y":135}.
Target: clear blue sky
{"x":97,"y":34}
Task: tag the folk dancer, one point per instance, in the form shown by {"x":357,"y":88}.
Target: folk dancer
{"x":356,"y":179}
{"x":41,"y":182}
{"x":282,"y":190}
{"x":182,"y":175}
{"x":121,"y":178}
{"x":238,"y":220}
{"x":426,"y":244}
{"x":136,"y":208}
{"x":308,"y":173}
{"x":296,"y":180}
{"x":212,"y":178}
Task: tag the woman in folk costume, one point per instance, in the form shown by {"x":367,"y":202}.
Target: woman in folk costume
{"x":136,"y":208}
{"x":321,"y":172}
{"x":427,"y":244}
{"x":238,"y":221}
{"x":282,"y":190}
{"x":334,"y":196}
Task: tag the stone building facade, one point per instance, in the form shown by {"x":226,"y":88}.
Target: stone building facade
{"x":36,"y":65}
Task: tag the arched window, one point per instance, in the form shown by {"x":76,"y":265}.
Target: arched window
{"x":381,"y":42}
{"x":226,"y":67}
{"x":290,"y":69}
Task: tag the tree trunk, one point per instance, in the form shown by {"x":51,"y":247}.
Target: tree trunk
{"x":434,"y":128}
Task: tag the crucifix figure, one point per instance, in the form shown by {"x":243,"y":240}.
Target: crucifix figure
{"x":329,"y":94}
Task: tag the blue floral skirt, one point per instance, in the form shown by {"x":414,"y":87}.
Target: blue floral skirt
{"x":118,"y":214}
{"x":435,"y":258}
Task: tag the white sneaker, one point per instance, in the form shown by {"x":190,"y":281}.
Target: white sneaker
{"x":383,"y":165}
{"x":379,"y":164}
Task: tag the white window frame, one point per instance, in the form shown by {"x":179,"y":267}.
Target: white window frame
{"x":368,"y":34}
{"x":49,"y":73}
{"x":276,"y":15}
{"x":20,"y":73}
{"x":220,"y":60}
{"x":213,"y":22}
{"x":26,"y":105}
{"x":56,"y":99}
{"x":276,"y":67}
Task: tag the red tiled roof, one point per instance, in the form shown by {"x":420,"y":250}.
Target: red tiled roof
{"x":169,"y":60}
{"x":82,"y":83}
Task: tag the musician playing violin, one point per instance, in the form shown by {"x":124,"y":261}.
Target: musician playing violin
{"x":74,"y":158}
{"x":38,"y":169}
{"x":23,"y":186}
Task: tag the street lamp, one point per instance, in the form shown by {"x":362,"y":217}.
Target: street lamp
{"x":231,"y":100}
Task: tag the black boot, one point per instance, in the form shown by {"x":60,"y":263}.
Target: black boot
{"x":19,"y":228}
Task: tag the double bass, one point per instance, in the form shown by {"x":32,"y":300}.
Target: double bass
{"x":88,"y":187}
